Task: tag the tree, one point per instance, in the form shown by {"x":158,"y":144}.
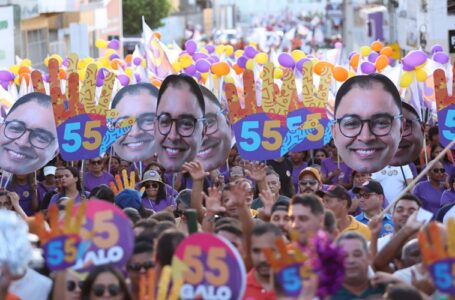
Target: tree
{"x":152,"y":10}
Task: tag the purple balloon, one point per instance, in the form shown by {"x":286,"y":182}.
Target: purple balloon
{"x":407,"y":67}
{"x":372,"y":57}
{"x":203,"y":65}
{"x":190,"y":46}
{"x":441,"y":57}
{"x":114,"y":56}
{"x":286,"y":60}
{"x":4,"y":84}
{"x":351,"y":54}
{"x":65,"y":62}
{"x":367,"y":67}
{"x":250,"y":52}
{"x":198,"y":55}
{"x":415,"y":58}
{"x":6,"y":75}
{"x":390,"y":61}
{"x":241,"y":62}
{"x":210,"y":48}
{"x":138,"y":77}
{"x":197,"y":75}
{"x":114,"y":44}
{"x":46,"y":77}
{"x":436,"y":48}
{"x":137,"y":61}
{"x":191,"y":70}
{"x":213,"y":59}
{"x":124,"y":79}
{"x":299,"y":64}
{"x":100,"y":78}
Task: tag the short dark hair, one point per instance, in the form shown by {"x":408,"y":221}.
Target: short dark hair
{"x":311,"y":201}
{"x":367,"y":81}
{"x":42,"y":99}
{"x":270,"y":171}
{"x":231,"y":228}
{"x":142,"y":247}
{"x":353,"y":235}
{"x":163,"y":216}
{"x":409,"y":197}
{"x":179,"y":81}
{"x":411,"y":109}
{"x":402,"y":291}
{"x":93,"y":275}
{"x":166,"y":245}
{"x":102,"y":192}
{"x":264,"y":228}
{"x":146,"y":223}
{"x":134,"y":89}
{"x":330,"y":222}
{"x":432,"y":131}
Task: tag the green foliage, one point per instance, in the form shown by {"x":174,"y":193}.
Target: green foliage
{"x":152,"y":10}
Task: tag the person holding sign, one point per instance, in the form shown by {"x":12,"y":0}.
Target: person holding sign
{"x":180,"y":128}
{"x":138,"y":101}
{"x":28,"y":137}
{"x":367,"y":122}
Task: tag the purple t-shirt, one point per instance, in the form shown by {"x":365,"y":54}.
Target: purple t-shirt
{"x":57,"y":196}
{"x":151,"y":204}
{"x":91,"y":181}
{"x":295,"y":175}
{"x":25,"y":196}
{"x":430,"y":197}
{"x":448,"y":197}
{"x":328,"y":165}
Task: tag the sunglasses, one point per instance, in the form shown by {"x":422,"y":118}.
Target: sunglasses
{"x":154,"y":185}
{"x":441,"y":170}
{"x":137,"y":266}
{"x":99,"y":289}
{"x":365,"y":196}
{"x":71,"y":285}
{"x":96,"y":162}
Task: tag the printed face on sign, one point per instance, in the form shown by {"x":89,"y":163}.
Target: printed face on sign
{"x":217,"y":140}
{"x":28,"y":137}
{"x":367,"y":129}
{"x":411,"y":140}
{"x":179,"y":127}
{"x":138,"y":101}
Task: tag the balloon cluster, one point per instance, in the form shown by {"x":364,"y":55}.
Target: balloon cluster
{"x":112,"y":44}
{"x":413,"y":64}
{"x":16,"y":73}
{"x":438,"y":55}
{"x":373,"y":58}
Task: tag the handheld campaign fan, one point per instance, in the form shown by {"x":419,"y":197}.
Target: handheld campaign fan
{"x":445,"y":105}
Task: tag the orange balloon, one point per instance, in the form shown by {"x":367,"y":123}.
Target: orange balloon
{"x":128,"y":58}
{"x":381,"y":62}
{"x":62,"y":74}
{"x":340,"y":73}
{"x":23,"y":70}
{"x":220,"y":68}
{"x":376,"y":46}
{"x":354,"y":62}
{"x":25,"y":76}
{"x":157,"y":35}
{"x":320,"y":65}
{"x":156,"y":82}
{"x":116,"y":64}
{"x":387,"y":51}
{"x":238,"y":70}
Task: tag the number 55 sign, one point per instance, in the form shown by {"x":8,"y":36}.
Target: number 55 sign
{"x":446,"y":107}
{"x":212,"y":268}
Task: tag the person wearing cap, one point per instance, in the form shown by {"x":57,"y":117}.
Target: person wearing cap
{"x":337,"y":199}
{"x":371,"y":199}
{"x":155,"y":196}
{"x":279,"y":216}
{"x":48,"y":184}
{"x":310,"y":180}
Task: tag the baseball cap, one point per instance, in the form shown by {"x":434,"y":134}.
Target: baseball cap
{"x":151,"y":175}
{"x":280,"y":206}
{"x":336,"y":191}
{"x":370,"y":186}
{"x":128,"y":198}
{"x":312,"y":171}
{"x":49,"y":170}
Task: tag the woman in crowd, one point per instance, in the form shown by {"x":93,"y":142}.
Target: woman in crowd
{"x":10,"y":201}
{"x":105,"y":282}
{"x":71,"y":186}
{"x":448,"y":196}
{"x":155,"y":196}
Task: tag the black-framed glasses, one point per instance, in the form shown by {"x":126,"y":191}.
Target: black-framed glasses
{"x":407,"y":126}
{"x":137,"y":266}
{"x":379,"y":124}
{"x":112,"y":289}
{"x":38,"y":138}
{"x":365,"y":196}
{"x":186,"y":124}
{"x":145,"y":121}
{"x":211,"y":120}
{"x":71,"y":285}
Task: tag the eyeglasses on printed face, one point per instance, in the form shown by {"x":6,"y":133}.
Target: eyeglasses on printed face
{"x":365,"y":196}
{"x":136,"y":267}
{"x":38,"y":138}
{"x":380,"y":125}
{"x":211,"y":120}
{"x":145,"y":121}
{"x":99,"y":290}
{"x":441,"y":170}
{"x":185,"y":124}
{"x":71,"y":285}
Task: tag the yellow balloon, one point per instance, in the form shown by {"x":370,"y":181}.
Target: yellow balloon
{"x":129,"y":72}
{"x":204,"y":76}
{"x":46,"y":61}
{"x":203,"y":50}
{"x":186,"y":60}
{"x":100,"y":43}
{"x":250,"y":64}
{"x":350,"y":74}
{"x":89,"y":60}
{"x":406,"y":79}
{"x":58,"y":58}
{"x":14,"y":69}
{"x":104,"y":62}
{"x":219,"y":49}
{"x":229,"y":50}
{"x":421,"y":66}
{"x":143,"y":63}
{"x":421,"y":75}
{"x":238,"y":53}
{"x":277,"y":73}
{"x":109,"y":52}
{"x":261,"y":58}
{"x":297,"y":55}
{"x":365,"y":50}
{"x":177,"y":66}
{"x":229,"y":79}
{"x":27,"y":62}
{"x":81,"y":74}
{"x":17,"y":80}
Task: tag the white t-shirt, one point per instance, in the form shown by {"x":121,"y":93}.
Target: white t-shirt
{"x":392,"y":181}
{"x":382,"y":241}
{"x":32,"y":286}
{"x":406,"y":273}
